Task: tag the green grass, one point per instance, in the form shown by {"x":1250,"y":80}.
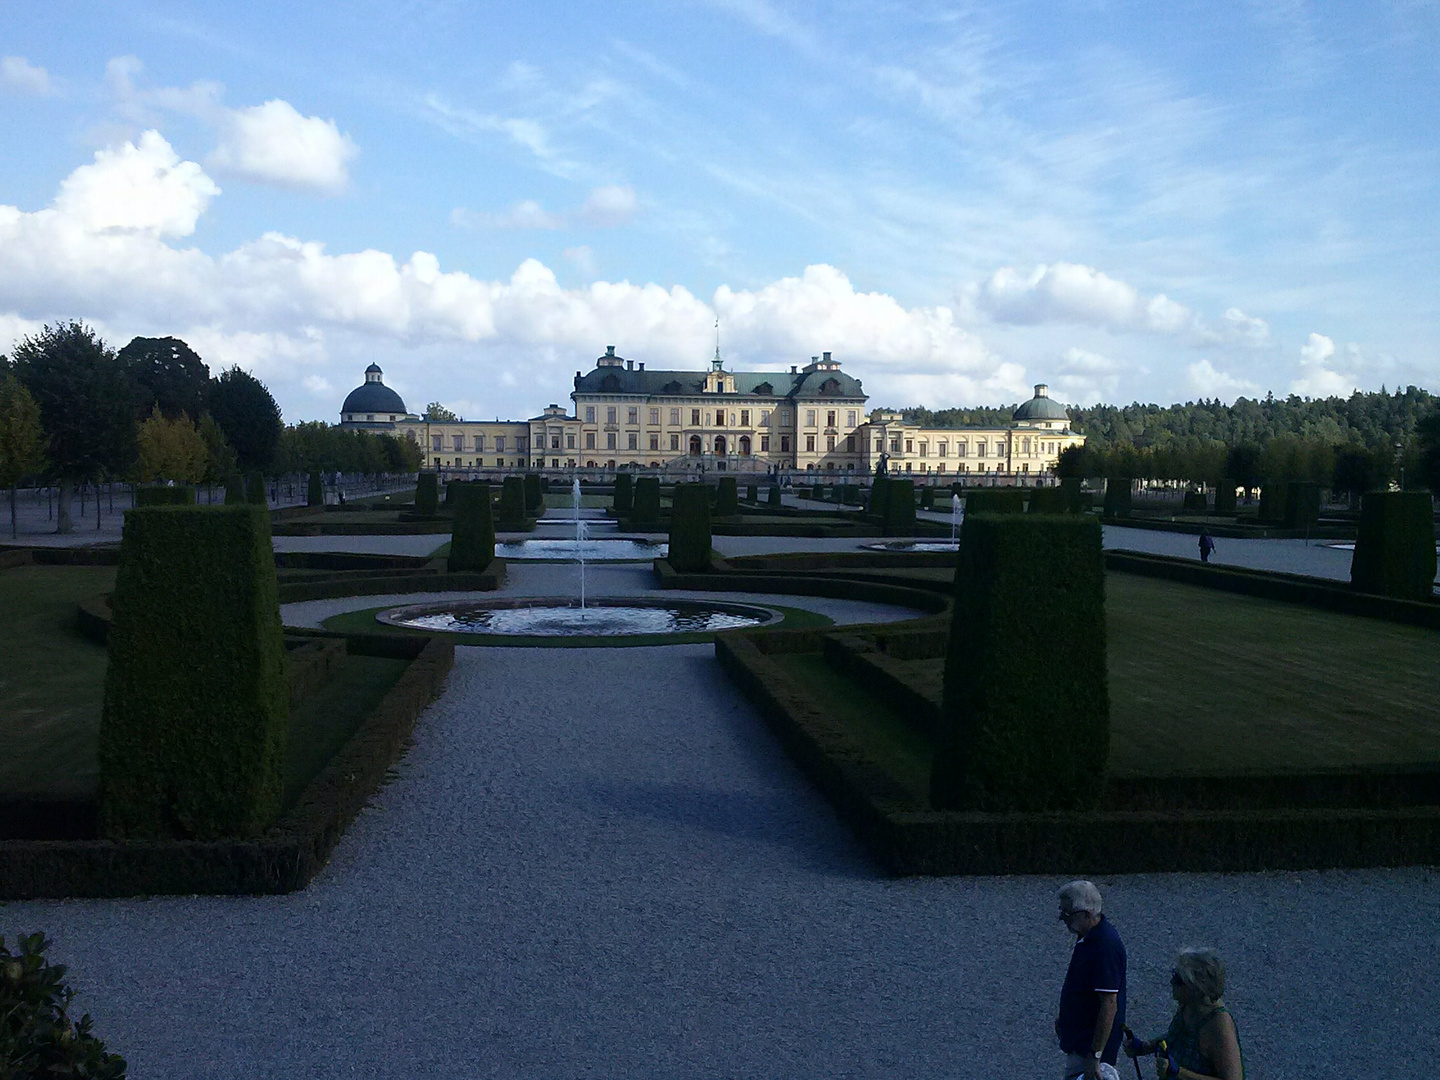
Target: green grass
{"x":363,"y":622}
{"x":1209,"y":683}
{"x":563,"y":500}
{"x":51,"y":682}
{"x":319,"y":725}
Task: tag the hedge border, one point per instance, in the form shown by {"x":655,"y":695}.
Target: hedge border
{"x":284,"y":860}
{"x":910,"y":841}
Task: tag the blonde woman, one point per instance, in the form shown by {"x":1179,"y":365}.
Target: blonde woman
{"x":1202,"y":1043}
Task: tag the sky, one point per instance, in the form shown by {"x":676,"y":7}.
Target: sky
{"x":1127,"y":201}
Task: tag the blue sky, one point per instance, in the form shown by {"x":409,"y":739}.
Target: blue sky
{"x":1123,"y":200}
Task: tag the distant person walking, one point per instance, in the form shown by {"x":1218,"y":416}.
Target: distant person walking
{"x":1201,"y":1043}
{"x":1206,"y":547}
{"x":1092,"y":1000}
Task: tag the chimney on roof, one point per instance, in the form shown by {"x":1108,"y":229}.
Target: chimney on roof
{"x":793,"y":369}
{"x":629,"y":365}
{"x":826,"y":357}
{"x":609,"y":350}
{"x":642,"y":365}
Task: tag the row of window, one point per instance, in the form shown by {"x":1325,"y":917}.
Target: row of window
{"x":720,"y":417}
{"x":1027,"y":446}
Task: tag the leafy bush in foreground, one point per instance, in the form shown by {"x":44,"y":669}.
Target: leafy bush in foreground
{"x":37,"y":1036}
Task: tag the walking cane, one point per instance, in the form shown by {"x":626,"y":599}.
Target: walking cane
{"x":1125,"y":1028}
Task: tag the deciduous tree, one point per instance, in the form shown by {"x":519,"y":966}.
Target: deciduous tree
{"x":170,"y":450}
{"x":22,"y":438}
{"x":167,"y":373}
{"x":247,"y":414}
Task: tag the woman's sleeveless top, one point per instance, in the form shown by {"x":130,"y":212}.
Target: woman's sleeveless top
{"x":1183,"y":1042}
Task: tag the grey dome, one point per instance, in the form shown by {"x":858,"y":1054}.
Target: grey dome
{"x":373,"y":397}
{"x":1042,"y":407}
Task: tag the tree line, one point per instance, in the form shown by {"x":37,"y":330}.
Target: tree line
{"x":73,"y":411}
{"x":1353,"y":444}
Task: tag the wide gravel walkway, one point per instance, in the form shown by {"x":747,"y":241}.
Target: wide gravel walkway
{"x":598,"y":864}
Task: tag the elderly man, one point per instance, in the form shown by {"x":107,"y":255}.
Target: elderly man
{"x":1092,"y":1001}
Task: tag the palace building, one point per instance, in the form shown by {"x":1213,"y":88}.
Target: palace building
{"x":809,"y":420}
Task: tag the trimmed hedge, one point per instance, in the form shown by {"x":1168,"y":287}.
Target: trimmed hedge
{"x":772,"y":497}
{"x":1272,"y":503}
{"x":647,"y":501}
{"x":1302,"y":504}
{"x":427,"y":494}
{"x":315,"y":490}
{"x":534,"y":497}
{"x":817,"y":492}
{"x":165,"y":496}
{"x":850,"y":495}
{"x":1117,"y":496}
{"x":194,"y":748}
{"x":472,"y":536}
{"x":1025,"y":720}
{"x":1395,"y":545}
{"x":900,"y":508}
{"x":1196,"y":502}
{"x":690,"y":528}
{"x":727,"y":497}
{"x":512,"y":503}
{"x":450,"y":491}
{"x":234,"y":489}
{"x":624,"y":499}
{"x":927,"y":498}
{"x":994,"y":501}
{"x":1049,"y":500}
{"x":752,"y":493}
{"x":255,"y":489}
{"x":878,"y":496}
{"x":1225,"y":496}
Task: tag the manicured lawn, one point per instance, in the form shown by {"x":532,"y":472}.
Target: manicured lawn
{"x":1204,"y":682}
{"x":319,"y":725}
{"x":51,"y":681}
{"x":563,"y":500}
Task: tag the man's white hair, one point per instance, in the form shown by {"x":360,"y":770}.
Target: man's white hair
{"x":1081,"y":896}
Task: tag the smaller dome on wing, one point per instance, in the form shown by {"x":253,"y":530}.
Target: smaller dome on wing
{"x":1041,"y":407}
{"x":373,"y":396}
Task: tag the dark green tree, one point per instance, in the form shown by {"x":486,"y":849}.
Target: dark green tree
{"x":86,"y":406}
{"x":1427,"y":444}
{"x":247,"y":414}
{"x":166,"y":372}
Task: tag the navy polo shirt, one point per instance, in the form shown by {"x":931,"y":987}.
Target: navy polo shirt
{"x":1098,"y":963}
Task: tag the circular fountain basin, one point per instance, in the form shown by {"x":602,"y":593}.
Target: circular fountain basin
{"x":914,"y":545}
{"x":609,"y":549}
{"x":557,"y":617}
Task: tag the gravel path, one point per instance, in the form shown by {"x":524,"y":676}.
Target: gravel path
{"x":600,"y":864}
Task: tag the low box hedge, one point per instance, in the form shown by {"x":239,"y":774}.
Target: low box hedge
{"x":194,"y":749}
{"x":690,"y":528}
{"x":1010,"y":738}
{"x":1395,"y":545}
{"x":472,"y":536}
{"x":159,"y":495}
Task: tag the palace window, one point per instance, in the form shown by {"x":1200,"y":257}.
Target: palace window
{"x":764,"y":444}
{"x":809,"y":417}
{"x":829,"y":417}
{"x":809,"y":444}
{"x":694,"y":417}
{"x":655,"y":416}
{"x":437,"y":442}
{"x":784,"y":417}
{"x":479,"y":443}
{"x":675,"y":416}
{"x":719,"y":418}
{"x":960,"y":448}
{"x":829,"y":443}
{"x":554,"y":442}
{"x":589,"y":414}
{"x":610,"y":440}
{"x":850,"y":418}
{"x":849,"y":444}
{"x":979,"y":447}
{"x":1025,"y":446}
{"x":909,"y":446}
{"x":589,"y":440}
{"x":632,"y":414}
{"x":500,"y":443}
{"x":764,"y":417}
{"x":632,"y":441}
{"x":457,"y":442}
{"x":894,"y":446}
{"x":674,"y":442}
{"x":610,"y":415}
{"x":999,"y":449}
{"x":744,"y":417}
{"x":654,"y":441}
{"x":784,"y":444}
{"x":569,"y":442}
{"x":944,"y":448}
{"x":744,"y":445}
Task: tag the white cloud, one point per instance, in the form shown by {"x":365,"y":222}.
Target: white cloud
{"x":1084,"y":376}
{"x":137,"y":188}
{"x":1205,"y":381}
{"x":318,"y":385}
{"x":273,"y":143}
{"x":613,"y":204}
{"x":1070,"y":292}
{"x":1317,"y":375}
{"x":582,"y":257}
{"x":20,"y":75}
{"x":1245,"y":329}
{"x":525,"y":214}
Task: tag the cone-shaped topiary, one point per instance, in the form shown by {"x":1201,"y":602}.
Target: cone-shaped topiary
{"x":690,"y":528}
{"x":427,"y":494}
{"x":624,"y":500}
{"x":534,"y":497}
{"x":472,"y":536}
{"x":512,"y":503}
{"x":772,"y":497}
{"x":1117,"y":496}
{"x":876,"y":505}
{"x":255,"y":489}
{"x":900,"y":508}
{"x":315,"y":491}
{"x":752,"y":493}
{"x":179,"y":495}
{"x":1225,"y":496}
{"x":234,"y":489}
{"x":1395,"y":545}
{"x":1025,"y":719}
{"x":1302,"y":504}
{"x":450,"y":492}
{"x":647,"y":501}
{"x":927,"y":498}
{"x":727,"y":497}
{"x":194,"y":748}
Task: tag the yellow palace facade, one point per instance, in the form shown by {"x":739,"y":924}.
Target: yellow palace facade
{"x":810,"y":419}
